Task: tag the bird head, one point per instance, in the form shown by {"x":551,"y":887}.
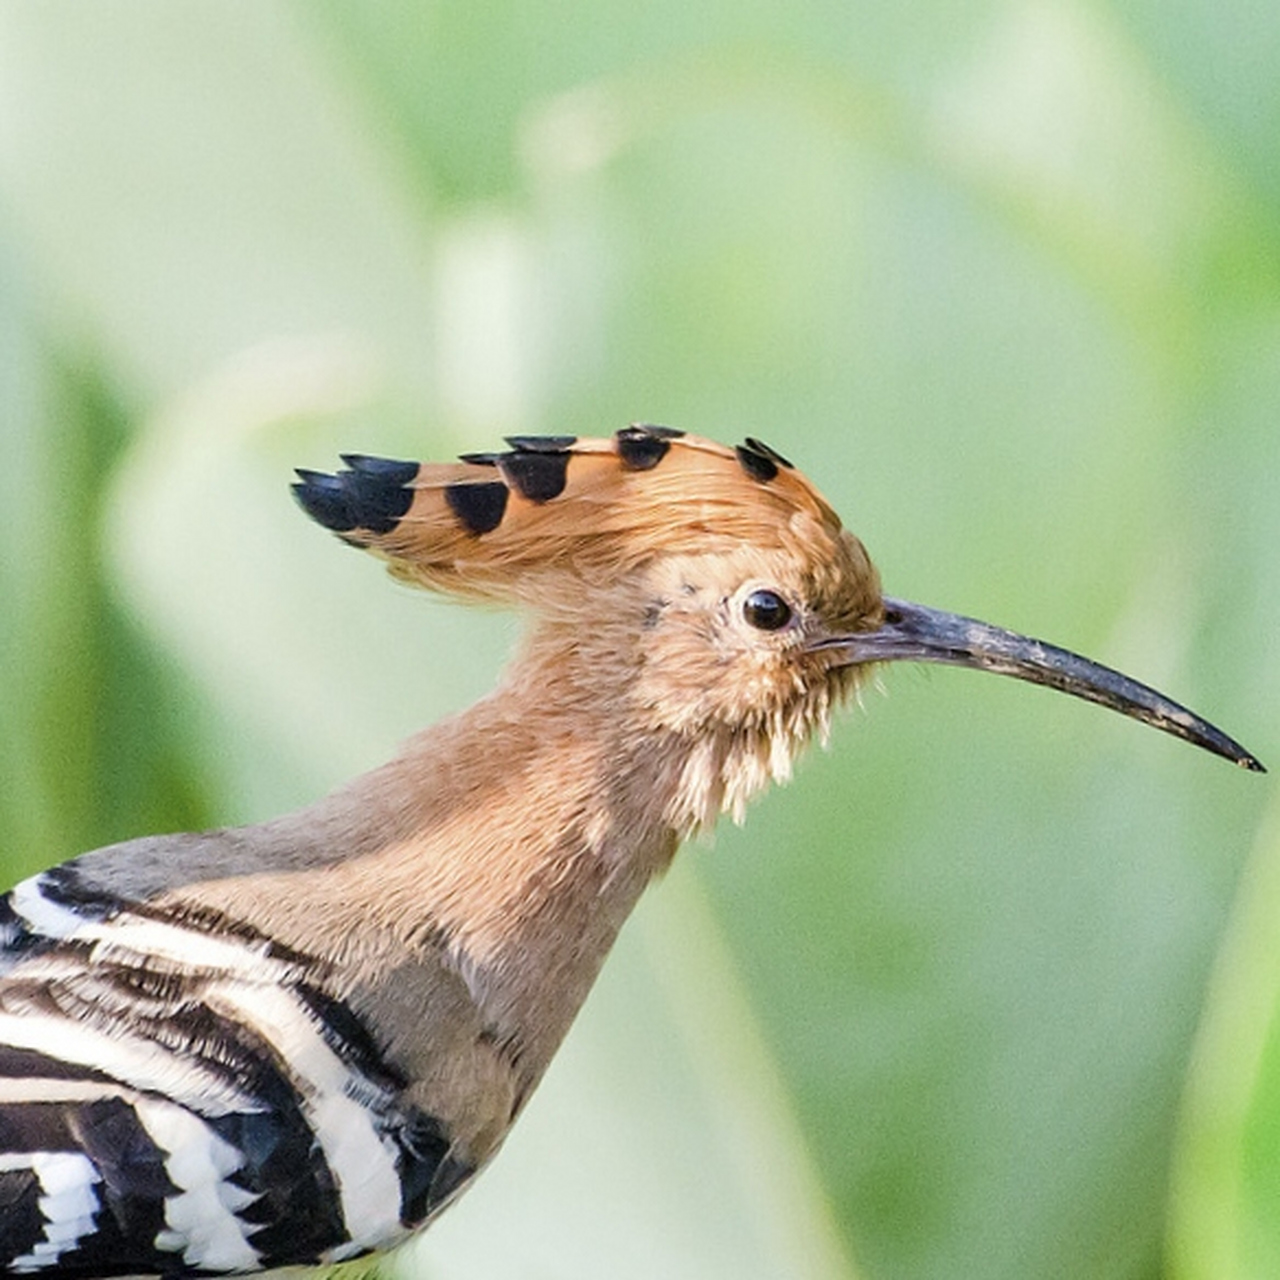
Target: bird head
{"x":712,"y":593}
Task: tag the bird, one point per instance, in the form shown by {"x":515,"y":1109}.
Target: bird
{"x":297,"y":1042}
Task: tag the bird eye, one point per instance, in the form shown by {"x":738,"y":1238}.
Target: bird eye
{"x":766,"y":610}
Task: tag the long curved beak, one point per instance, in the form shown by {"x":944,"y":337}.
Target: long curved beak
{"x":913,"y":633}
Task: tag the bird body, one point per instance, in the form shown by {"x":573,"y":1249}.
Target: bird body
{"x":296,"y":1042}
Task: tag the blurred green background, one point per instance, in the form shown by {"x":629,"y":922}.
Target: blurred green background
{"x":992,"y":990}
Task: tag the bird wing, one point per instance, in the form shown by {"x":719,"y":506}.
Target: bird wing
{"x":178,"y":1095}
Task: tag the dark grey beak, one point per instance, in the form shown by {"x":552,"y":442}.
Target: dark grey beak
{"x":912,"y":633}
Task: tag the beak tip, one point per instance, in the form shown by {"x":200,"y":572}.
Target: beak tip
{"x":916,"y":633}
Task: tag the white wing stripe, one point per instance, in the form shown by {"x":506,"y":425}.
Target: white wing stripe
{"x":45,"y":916}
{"x":141,"y":1063}
{"x":362,"y":1161}
{"x":21,"y":1089}
{"x":201,"y":1219}
{"x":68,"y":1202}
{"x":183,"y":946}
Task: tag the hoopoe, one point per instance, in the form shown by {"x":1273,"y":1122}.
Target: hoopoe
{"x":297,"y":1042}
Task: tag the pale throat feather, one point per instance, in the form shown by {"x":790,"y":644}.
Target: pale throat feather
{"x":726,"y":767}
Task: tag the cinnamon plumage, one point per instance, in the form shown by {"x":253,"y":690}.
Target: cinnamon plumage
{"x":296,"y":1042}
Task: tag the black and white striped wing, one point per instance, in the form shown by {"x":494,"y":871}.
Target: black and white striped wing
{"x":182,"y":1099}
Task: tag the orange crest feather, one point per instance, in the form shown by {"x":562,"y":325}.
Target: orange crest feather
{"x":496,"y":525}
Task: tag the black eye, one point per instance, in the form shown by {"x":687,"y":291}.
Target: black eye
{"x":766,"y":610}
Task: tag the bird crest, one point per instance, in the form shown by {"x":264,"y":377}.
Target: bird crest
{"x":567,"y":511}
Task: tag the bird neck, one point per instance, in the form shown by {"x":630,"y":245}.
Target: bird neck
{"x":511,"y":840}
{"x":517,"y":837}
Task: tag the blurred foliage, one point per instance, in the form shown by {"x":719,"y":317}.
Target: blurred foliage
{"x":985,"y":993}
